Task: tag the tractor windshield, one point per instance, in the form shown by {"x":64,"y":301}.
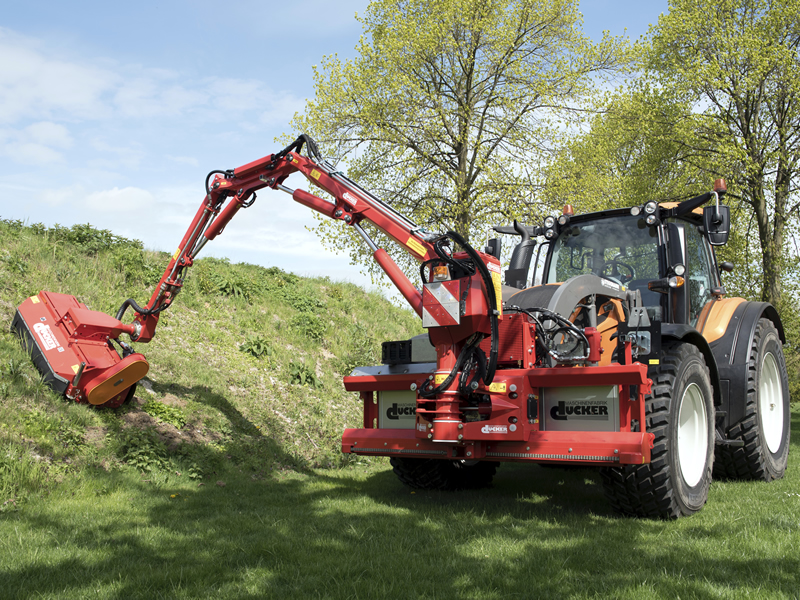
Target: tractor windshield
{"x":623,"y":249}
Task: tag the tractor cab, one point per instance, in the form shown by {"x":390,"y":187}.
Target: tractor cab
{"x":661,"y":251}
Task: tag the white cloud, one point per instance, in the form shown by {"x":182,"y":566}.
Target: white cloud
{"x":113,"y":157}
{"x":33,"y":154}
{"x":152,"y":96}
{"x":37,"y":144}
{"x":49,"y":134}
{"x":119,"y":145}
{"x":57,"y":197}
{"x":116,"y":200}
{"x":33,"y":84}
{"x":184,"y":160}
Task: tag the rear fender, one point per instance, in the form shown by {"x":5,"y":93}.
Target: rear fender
{"x":732,"y":353}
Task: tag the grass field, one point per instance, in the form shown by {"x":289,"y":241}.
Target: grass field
{"x":357,"y":533}
{"x":209,"y":484}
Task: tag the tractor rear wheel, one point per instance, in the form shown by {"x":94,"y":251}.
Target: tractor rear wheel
{"x":680,"y":413}
{"x":446,"y":475}
{"x":765,"y":426}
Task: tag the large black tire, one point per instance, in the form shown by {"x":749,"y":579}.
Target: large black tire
{"x":447,"y":475}
{"x":765,"y":426}
{"x":680,"y":413}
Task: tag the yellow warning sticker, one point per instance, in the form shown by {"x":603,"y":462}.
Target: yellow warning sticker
{"x":494,"y":269}
{"x":315,"y":174}
{"x":498,"y":388}
{"x":439,"y":378}
{"x":414,"y":245}
{"x":75,"y":368}
{"x":177,"y":254}
{"x":35,"y":299}
{"x":654,"y":361}
{"x":498,"y":293}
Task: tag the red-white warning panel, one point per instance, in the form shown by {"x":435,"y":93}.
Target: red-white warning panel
{"x":440,"y":305}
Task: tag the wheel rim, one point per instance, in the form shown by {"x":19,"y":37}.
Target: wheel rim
{"x":770,"y":402}
{"x":692,"y":435}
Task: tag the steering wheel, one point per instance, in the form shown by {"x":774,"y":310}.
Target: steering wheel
{"x":623,"y":278}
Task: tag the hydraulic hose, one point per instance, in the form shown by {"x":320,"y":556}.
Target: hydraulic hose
{"x":466,"y":352}
{"x":490,"y":296}
{"x":227,"y":173}
{"x":142,"y":311}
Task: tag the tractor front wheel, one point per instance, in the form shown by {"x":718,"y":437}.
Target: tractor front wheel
{"x":764,"y":430}
{"x":447,"y":475}
{"x":680,"y":413}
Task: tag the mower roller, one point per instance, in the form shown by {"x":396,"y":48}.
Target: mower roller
{"x":629,"y":357}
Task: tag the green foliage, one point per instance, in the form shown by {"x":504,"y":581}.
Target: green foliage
{"x":302,"y":374}
{"x":450,"y":106}
{"x":257,"y":346}
{"x":219,"y":276}
{"x":304,"y":302}
{"x":273,"y":276}
{"x":166,"y":414}
{"x":12,"y":370}
{"x":86,"y":237}
{"x":195,"y":472}
{"x":134,"y":265}
{"x":632,"y":153}
{"x":38,"y":424}
{"x":363,"y":350}
{"x":231,"y":284}
{"x":20,"y":474}
{"x":14,"y":264}
{"x":142,"y":449}
{"x":309,"y":325}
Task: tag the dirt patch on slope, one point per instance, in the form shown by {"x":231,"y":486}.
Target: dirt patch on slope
{"x":192,"y":433}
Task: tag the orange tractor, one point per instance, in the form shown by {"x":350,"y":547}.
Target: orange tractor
{"x":628,"y":357}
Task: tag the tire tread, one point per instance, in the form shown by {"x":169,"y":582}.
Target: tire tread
{"x":647,"y":490}
{"x":444,"y":475}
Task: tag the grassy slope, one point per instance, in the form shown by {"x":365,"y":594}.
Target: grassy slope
{"x":284,"y":408}
{"x":95,"y":507}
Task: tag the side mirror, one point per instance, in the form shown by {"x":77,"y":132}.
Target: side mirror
{"x":493,"y":247}
{"x":717,"y":224}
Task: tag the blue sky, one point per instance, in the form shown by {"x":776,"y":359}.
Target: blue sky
{"x":112,"y":113}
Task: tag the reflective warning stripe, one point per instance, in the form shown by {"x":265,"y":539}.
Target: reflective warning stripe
{"x":440,"y":306}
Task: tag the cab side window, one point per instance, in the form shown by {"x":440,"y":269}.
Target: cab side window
{"x":700,"y":273}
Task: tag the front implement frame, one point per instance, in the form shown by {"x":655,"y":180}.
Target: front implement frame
{"x":516,"y":428}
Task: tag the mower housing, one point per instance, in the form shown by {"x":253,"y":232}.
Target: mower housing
{"x":71,"y":347}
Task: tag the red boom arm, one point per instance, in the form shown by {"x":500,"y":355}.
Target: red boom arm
{"x":231,"y":191}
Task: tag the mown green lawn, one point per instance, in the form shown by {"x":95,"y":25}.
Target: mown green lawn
{"x":358,"y":533}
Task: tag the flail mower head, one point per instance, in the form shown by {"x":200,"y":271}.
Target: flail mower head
{"x":73,"y":348}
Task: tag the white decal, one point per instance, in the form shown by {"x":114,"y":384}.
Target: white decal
{"x":609,"y":284}
{"x":49,"y":341}
{"x":350,"y":198}
{"x":494,"y":429}
{"x":493,"y":267}
{"x":421,"y":427}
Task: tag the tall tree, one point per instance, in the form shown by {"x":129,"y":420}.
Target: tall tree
{"x":451,"y":105}
{"x":630,"y":153}
{"x":736,"y":62}
{"x":643,"y":145}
